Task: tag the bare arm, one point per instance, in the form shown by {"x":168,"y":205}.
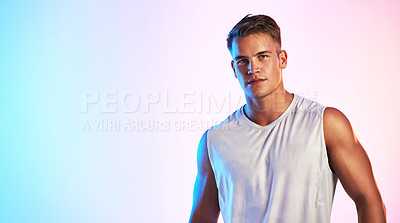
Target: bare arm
{"x":351,"y":164}
{"x":205,"y":195}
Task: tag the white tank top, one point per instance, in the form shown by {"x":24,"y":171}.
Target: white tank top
{"x":274,"y":173}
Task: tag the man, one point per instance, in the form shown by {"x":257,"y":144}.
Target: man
{"x":277,"y":159}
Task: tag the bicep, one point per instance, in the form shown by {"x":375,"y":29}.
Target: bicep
{"x":348,"y":158}
{"x":205,"y":195}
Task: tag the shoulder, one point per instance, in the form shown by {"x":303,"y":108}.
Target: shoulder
{"x":307,"y":106}
{"x":337,"y":128}
{"x":203,"y":162}
{"x":203,"y":142}
{"x":335,"y":120}
{"x":231,"y":121}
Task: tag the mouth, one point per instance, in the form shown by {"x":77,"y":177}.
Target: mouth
{"x":255,"y":81}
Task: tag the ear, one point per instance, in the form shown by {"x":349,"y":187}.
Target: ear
{"x":283,"y":59}
{"x":233,"y":68}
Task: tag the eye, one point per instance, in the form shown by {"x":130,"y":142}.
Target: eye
{"x":263,"y":56}
{"x":242,"y":61}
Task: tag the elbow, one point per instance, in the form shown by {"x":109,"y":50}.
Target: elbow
{"x":370,"y":210}
{"x":384,"y":209}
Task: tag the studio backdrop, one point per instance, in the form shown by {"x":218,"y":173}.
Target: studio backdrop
{"x":103,"y":103}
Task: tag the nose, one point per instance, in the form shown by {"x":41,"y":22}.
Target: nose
{"x":253,"y":68}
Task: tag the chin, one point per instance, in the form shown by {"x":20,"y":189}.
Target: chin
{"x":258,"y":95}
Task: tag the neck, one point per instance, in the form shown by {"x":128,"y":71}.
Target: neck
{"x":265,"y":110}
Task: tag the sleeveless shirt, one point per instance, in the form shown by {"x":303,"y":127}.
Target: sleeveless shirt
{"x":273,"y":173}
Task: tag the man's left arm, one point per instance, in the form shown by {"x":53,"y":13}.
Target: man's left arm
{"x":351,"y":164}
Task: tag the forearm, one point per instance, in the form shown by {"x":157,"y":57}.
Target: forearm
{"x":371,"y":212}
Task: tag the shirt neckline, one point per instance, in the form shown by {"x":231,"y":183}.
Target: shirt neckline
{"x":276,"y":121}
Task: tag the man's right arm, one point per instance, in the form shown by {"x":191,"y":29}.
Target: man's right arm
{"x":205,"y":195}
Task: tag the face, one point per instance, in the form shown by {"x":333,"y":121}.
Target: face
{"x":257,"y":65}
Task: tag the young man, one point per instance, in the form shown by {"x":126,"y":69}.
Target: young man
{"x":277,"y":159}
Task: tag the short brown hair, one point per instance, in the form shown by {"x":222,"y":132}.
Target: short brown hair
{"x":253,"y":24}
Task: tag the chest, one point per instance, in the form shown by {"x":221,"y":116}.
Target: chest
{"x":259,"y":155}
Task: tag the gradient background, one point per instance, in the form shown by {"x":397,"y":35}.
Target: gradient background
{"x":168,"y":54}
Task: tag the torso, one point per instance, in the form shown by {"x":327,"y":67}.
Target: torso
{"x":273,"y":173}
